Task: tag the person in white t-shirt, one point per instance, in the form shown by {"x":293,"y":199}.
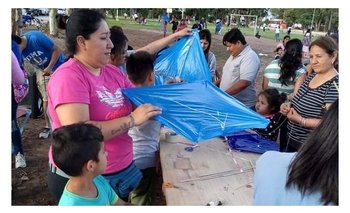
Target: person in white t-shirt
{"x":145,"y":137}
{"x":277,"y":33}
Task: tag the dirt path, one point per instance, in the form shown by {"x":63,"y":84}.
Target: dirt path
{"x":29,"y":185}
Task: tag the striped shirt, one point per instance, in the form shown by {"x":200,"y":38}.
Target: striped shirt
{"x":273,"y":71}
{"x":310,"y":103}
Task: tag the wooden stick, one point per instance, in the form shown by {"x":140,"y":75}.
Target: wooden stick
{"x":253,"y":167}
{"x":215,"y":175}
{"x":231,"y":170}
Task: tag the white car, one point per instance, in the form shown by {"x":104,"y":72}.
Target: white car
{"x":61,"y":11}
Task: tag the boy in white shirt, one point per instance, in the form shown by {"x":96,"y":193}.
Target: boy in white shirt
{"x":140,"y":70}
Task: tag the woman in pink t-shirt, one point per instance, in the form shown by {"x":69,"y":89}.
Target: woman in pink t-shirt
{"x":86,"y":88}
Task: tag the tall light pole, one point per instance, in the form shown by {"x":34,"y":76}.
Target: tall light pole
{"x":182,"y":13}
{"x":312,"y":21}
{"x":117,"y":17}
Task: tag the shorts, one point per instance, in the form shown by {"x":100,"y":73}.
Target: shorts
{"x":41,"y":82}
{"x":124,"y":181}
{"x":145,"y":193}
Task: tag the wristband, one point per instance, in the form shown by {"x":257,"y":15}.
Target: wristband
{"x":304,"y":122}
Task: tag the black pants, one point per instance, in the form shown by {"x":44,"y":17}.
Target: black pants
{"x":292,"y":145}
{"x":56,"y":184}
{"x":15,"y":131}
{"x":283,"y":134}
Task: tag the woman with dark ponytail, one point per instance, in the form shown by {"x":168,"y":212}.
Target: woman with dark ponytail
{"x":283,"y":73}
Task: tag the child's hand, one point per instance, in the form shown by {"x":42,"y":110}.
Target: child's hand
{"x":285,"y":108}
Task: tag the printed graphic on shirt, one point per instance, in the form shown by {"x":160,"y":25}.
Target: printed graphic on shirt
{"x":36,"y":58}
{"x":118,"y":105}
{"x":114,"y":100}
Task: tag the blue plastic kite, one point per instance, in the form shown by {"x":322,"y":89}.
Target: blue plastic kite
{"x":185,"y":60}
{"x":198,"y":111}
{"x":251,"y":142}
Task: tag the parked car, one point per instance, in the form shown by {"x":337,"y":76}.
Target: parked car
{"x":297,"y":26}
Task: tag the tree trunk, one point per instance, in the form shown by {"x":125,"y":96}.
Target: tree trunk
{"x":14,"y":26}
{"x":69,"y":11}
{"x":52,"y":22}
{"x":330,"y":22}
{"x":16,"y":21}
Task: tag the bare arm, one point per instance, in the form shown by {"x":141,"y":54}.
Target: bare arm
{"x":237,"y":87}
{"x":297,"y":85}
{"x":157,"y":45}
{"x":265,"y":83}
{"x":77,"y":112}
{"x":295,"y":117}
{"x":56,"y":51}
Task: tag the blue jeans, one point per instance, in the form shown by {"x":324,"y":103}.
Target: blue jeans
{"x":277,"y":36}
{"x":124,"y":181}
{"x":16,"y":134}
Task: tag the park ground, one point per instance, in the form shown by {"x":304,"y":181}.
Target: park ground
{"x":29,"y":185}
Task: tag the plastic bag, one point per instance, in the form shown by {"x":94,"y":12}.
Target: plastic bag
{"x":21,"y":91}
{"x":184,"y":60}
{"x":198,"y":111}
{"x":251,"y":142}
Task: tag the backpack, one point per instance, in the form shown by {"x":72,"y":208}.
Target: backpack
{"x":21,"y":91}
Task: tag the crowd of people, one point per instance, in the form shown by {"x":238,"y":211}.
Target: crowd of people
{"x":104,"y":149}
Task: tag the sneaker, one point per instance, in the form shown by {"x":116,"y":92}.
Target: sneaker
{"x":45,"y":133}
{"x":20,"y":161}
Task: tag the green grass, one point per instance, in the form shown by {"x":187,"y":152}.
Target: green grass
{"x":153,"y":24}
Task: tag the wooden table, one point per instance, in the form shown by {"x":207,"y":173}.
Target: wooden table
{"x":209,"y":174}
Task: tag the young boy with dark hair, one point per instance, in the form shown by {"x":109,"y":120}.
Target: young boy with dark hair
{"x":139,"y":67}
{"x":78,"y":150}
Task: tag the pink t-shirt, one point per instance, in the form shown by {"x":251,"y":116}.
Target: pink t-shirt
{"x":73,"y":83}
{"x":17,"y":73}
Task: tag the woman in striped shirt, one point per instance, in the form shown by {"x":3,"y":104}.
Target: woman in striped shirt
{"x":316,"y":94}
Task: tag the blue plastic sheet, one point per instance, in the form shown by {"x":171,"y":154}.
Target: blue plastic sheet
{"x":251,"y":142}
{"x":185,"y":60}
{"x":198,"y":110}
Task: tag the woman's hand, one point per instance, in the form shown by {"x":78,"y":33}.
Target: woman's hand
{"x":184,"y":32}
{"x":284,"y":109}
{"x":144,"y":112}
{"x":294,"y":116}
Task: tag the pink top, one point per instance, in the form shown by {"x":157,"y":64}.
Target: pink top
{"x":73,"y":83}
{"x":17,"y":72}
